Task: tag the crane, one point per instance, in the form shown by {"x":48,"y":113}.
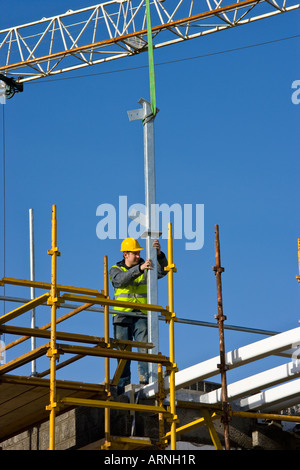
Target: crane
{"x":117,"y":29}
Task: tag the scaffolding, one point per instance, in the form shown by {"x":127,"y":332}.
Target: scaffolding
{"x":64,"y":395}
{"x":103,"y":347}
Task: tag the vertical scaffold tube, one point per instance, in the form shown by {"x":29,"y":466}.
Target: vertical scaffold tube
{"x":32,"y":289}
{"x":106,"y":360}
{"x":171,"y":269}
{"x":162,"y":443}
{"x":220,"y":319}
{"x":52,"y":352}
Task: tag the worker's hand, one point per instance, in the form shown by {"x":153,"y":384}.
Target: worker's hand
{"x":157,"y":246}
{"x":147,"y":265}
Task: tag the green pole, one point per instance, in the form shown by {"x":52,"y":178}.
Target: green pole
{"x":151,"y":60}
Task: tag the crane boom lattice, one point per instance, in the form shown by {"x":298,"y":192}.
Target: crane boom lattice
{"x":117,"y":29}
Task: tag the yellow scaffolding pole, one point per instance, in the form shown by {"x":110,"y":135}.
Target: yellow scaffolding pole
{"x":107,"y":439}
{"x":162,"y":443}
{"x":52,"y":352}
{"x":171,"y":319}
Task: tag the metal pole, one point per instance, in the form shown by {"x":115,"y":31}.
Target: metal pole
{"x":162,"y":318}
{"x":162,"y":442}
{"x":107,"y":436}
{"x":171,"y":269}
{"x":32,"y":289}
{"x":150,"y":220}
{"x":52,"y":352}
{"x":220,"y":318}
{"x":150,"y":201}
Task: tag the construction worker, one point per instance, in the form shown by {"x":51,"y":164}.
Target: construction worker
{"x":129,"y":279}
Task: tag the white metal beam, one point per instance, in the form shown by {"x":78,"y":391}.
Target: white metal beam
{"x":283,"y":405}
{"x":254,"y":383}
{"x":236,"y":358}
{"x":274,"y":398}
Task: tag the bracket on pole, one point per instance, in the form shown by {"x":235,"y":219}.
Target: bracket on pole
{"x":136,"y":114}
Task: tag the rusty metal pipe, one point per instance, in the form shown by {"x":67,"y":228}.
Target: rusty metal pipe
{"x":220,"y":319}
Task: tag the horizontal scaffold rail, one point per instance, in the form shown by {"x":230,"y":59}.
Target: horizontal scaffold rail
{"x":117,"y":29}
{"x":76,"y":294}
{"x":47,"y":286}
{"x":24,"y":308}
{"x":63,"y":384}
{"x":24,"y":359}
{"x":113,"y":354}
{"x":65,"y":336}
{"x":96,"y":351}
{"x":114,"y":405}
{"x":112,"y":303}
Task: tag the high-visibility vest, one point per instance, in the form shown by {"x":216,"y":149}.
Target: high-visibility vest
{"x":134,"y":292}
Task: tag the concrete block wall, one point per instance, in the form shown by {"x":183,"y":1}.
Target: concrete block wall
{"x":73,"y":430}
{"x":82,"y":426}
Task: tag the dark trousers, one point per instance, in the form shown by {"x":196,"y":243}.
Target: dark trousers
{"x":137,"y":329}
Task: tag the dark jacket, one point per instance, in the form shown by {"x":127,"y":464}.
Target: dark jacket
{"x":120,"y":278}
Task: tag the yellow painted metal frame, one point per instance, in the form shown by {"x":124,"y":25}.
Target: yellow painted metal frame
{"x":171,"y":319}
{"x":266,"y":416}
{"x":24,"y":308}
{"x":107,"y":348}
{"x":103,"y":347}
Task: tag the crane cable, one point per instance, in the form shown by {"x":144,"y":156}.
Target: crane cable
{"x":151,"y":60}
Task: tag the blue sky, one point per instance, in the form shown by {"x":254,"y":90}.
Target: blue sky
{"x":226,"y":136}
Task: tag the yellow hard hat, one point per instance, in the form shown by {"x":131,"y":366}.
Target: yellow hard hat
{"x":130,"y":244}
